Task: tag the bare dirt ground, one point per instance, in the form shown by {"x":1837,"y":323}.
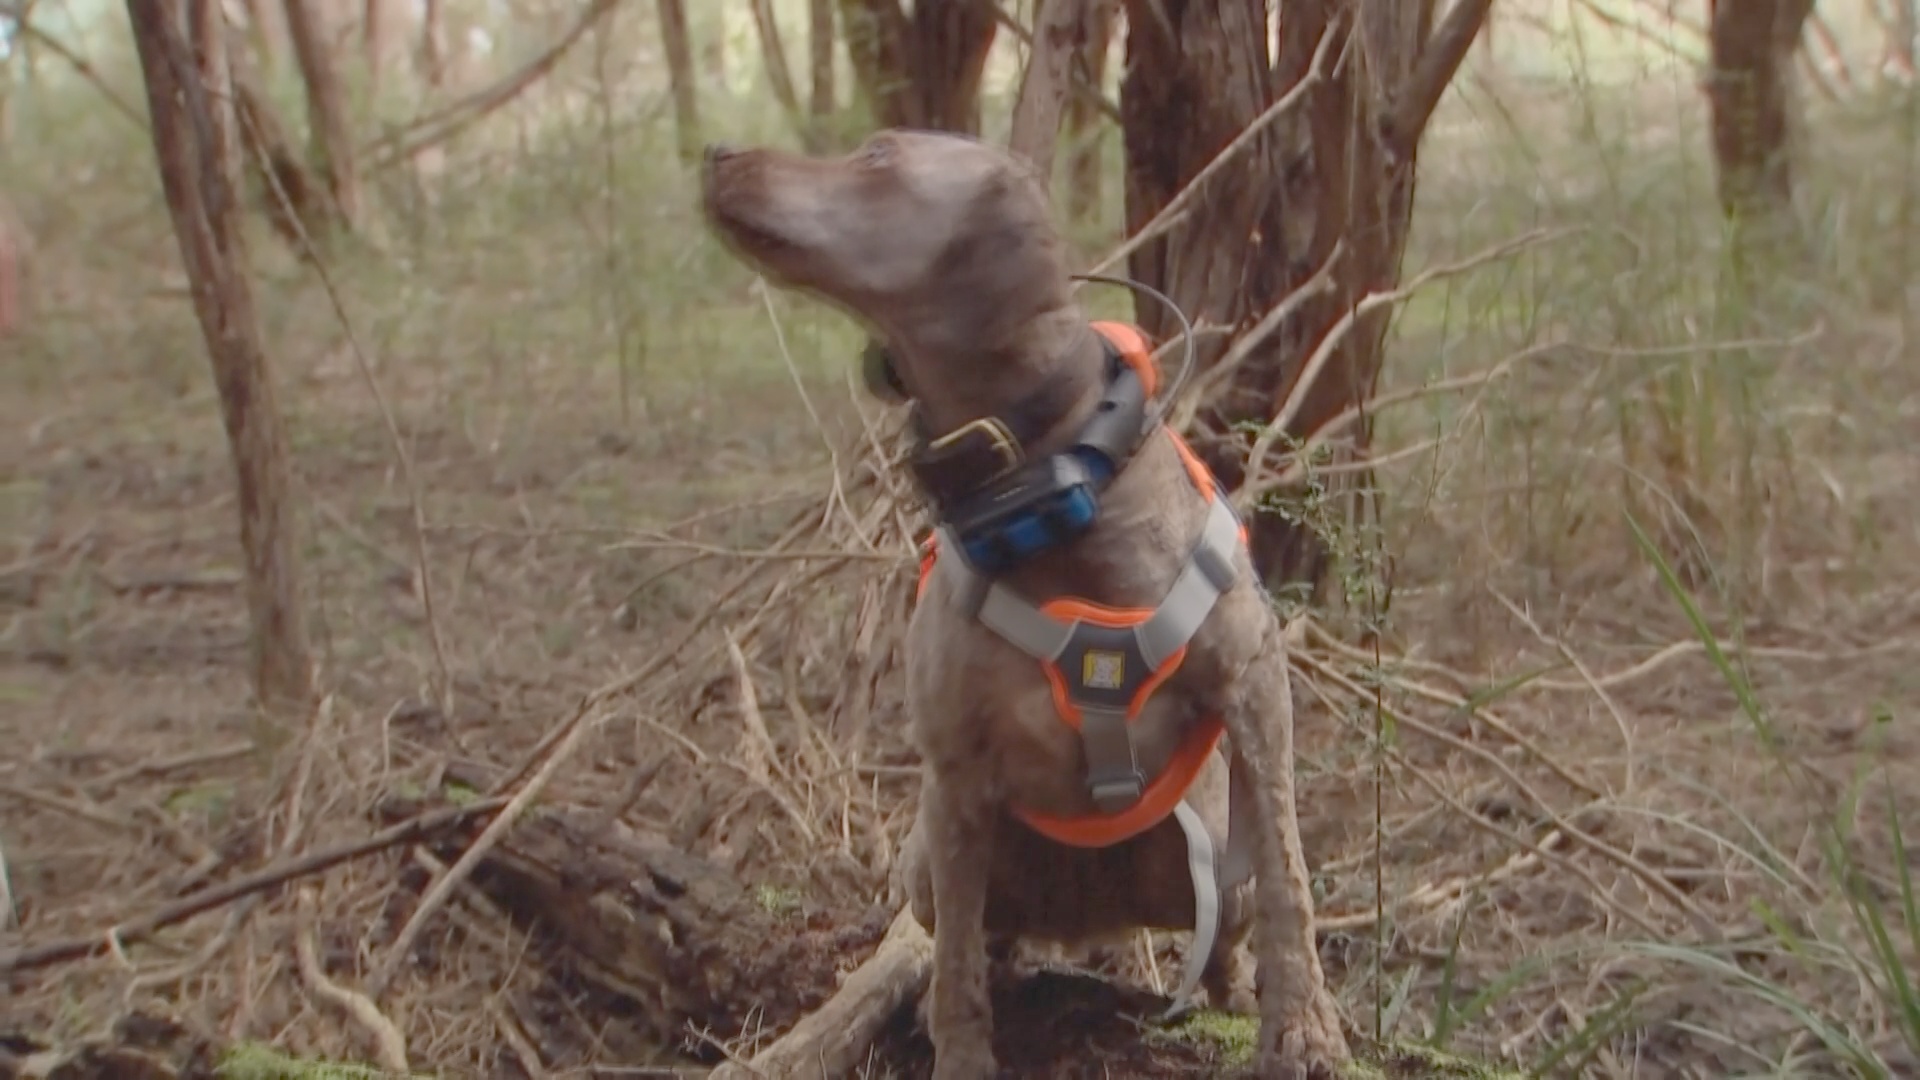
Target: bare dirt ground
{"x":1548,"y":829}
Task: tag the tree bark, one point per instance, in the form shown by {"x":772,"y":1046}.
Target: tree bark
{"x":921,"y":70}
{"x":1750,"y":92}
{"x":193,"y":145}
{"x":1336,"y":171}
{"x":821,"y":98}
{"x":1057,"y":27}
{"x":686,"y":95}
{"x":330,"y":141}
{"x":1085,"y":132}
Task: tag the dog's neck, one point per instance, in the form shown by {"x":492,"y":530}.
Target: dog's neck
{"x":1148,"y":514}
{"x":1051,"y":368}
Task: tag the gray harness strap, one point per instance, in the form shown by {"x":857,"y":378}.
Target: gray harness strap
{"x":1104,"y":669}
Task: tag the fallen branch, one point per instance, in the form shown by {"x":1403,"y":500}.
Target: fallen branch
{"x":144,"y":926}
{"x":442,"y":888}
{"x":834,"y":1039}
{"x":392,"y":1044}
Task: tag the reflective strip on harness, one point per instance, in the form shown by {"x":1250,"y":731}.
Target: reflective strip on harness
{"x":1206,"y":907}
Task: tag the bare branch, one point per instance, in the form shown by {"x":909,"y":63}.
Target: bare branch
{"x":80,"y":65}
{"x":1170,"y":214}
{"x":437,"y":127}
{"x":1439,"y":60}
{"x":1372,"y":302}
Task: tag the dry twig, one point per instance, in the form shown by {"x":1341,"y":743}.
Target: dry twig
{"x":392,"y":1045}
{"x":141,"y":927}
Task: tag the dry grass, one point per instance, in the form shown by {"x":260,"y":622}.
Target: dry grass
{"x":1552,"y":823}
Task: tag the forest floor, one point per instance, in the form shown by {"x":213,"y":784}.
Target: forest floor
{"x":1552,"y":824}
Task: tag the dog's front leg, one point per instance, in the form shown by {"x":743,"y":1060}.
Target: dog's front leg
{"x":1299,"y":1026}
{"x":957,"y":842}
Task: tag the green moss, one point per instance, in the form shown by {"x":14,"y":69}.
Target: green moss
{"x":459,"y":794}
{"x":1410,"y":1061}
{"x":777,"y":901}
{"x":1227,"y":1038}
{"x":255,"y":1061}
{"x":210,"y":799}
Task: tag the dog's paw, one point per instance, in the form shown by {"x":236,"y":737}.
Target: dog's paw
{"x":1311,"y":1047}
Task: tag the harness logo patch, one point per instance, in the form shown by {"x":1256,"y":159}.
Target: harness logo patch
{"x":1103,"y":670}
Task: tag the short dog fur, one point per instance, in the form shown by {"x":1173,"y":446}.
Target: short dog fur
{"x":944,"y":246}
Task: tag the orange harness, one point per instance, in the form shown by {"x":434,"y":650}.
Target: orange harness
{"x":1108,"y":670}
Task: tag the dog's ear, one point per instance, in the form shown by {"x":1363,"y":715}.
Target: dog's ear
{"x":877,"y":370}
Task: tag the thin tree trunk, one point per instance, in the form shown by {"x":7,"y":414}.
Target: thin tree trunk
{"x":1750,"y":91}
{"x":1086,"y":133}
{"x":11,"y":311}
{"x":1044,"y":86}
{"x":433,"y":45}
{"x":330,"y":141}
{"x":820,"y":41}
{"x":923,"y":70}
{"x":296,"y":202}
{"x":376,"y":28}
{"x":773,"y":54}
{"x":1339,"y":170}
{"x":193,"y":144}
{"x":686,"y":97}
{"x":264,"y":31}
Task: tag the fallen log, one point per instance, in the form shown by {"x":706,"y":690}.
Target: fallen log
{"x":694,"y":949}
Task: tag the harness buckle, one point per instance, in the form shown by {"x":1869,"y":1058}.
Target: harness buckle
{"x":1114,"y":792}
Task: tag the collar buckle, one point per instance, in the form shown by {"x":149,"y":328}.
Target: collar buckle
{"x":967,"y":459}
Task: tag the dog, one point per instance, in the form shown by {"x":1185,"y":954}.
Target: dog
{"x":944,"y":247}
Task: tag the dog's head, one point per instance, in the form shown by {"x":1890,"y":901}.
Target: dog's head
{"x":942,"y":242}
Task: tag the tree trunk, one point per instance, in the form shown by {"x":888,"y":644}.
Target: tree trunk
{"x":10,"y":248}
{"x":294,"y":200}
{"x":923,"y":70}
{"x":1338,"y":170}
{"x":432,"y":53}
{"x":773,"y":54}
{"x":265,"y":30}
{"x":686,"y":98}
{"x":194,"y":146}
{"x":820,"y":57}
{"x":329,"y":137}
{"x":1044,"y":85}
{"x":376,"y":34}
{"x":1085,"y":131}
{"x":1750,"y":91}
